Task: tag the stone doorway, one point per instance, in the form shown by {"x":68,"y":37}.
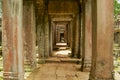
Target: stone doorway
{"x":60,"y":35}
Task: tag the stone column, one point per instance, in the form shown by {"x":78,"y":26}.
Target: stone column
{"x":53,"y":34}
{"x":73,"y":37}
{"x":40,"y":31}
{"x":29,"y":33}
{"x":82,"y":29}
{"x":87,"y":36}
{"x":76,"y":41}
{"x":102,"y":40}
{"x":40,"y":36}
{"x":46,"y":25}
{"x":76,"y":36}
{"x":13,"y":58}
{"x":51,"y":39}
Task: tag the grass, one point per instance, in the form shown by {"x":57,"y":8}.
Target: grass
{"x":1,"y":78}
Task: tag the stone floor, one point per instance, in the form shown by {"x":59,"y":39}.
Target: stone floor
{"x":58,"y":71}
{"x":59,"y":67}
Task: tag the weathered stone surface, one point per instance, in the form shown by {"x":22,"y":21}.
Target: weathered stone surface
{"x":40,"y":36}
{"x":64,"y":6}
{"x":76,"y":36}
{"x":12,"y":40}
{"x":47,"y":31}
{"x":77,"y":41}
{"x":102,"y":26}
{"x":87,"y":37}
{"x":41,"y":30}
{"x":58,"y":71}
{"x":29,"y":33}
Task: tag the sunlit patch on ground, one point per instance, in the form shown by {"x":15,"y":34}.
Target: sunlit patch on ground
{"x":62,"y":49}
{"x":63,"y":52}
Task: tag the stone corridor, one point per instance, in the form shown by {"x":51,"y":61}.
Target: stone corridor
{"x":79,"y":24}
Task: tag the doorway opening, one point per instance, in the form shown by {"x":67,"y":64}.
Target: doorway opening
{"x":62,"y":37}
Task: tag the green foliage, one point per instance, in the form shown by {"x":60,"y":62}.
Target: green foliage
{"x":116,"y":8}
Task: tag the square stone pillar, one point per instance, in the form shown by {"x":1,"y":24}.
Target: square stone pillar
{"x":74,"y":37}
{"x":41,"y":30}
{"x":71,"y":32}
{"x":51,"y":38}
{"x":102,"y":40}
{"x":29,"y":33}
{"x":87,"y":36}
{"x":40,"y":36}
{"x":47,"y":31}
{"x":53,"y":34}
{"x":78,"y":34}
{"x":12,"y":40}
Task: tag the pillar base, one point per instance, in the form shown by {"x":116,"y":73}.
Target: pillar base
{"x":86,"y":69}
{"x":86,"y":66}
{"x":12,"y":76}
{"x":74,"y":55}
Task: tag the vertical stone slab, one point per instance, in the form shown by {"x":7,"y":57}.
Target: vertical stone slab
{"x":87,"y":35}
{"x":76,"y":36}
{"x":13,"y":61}
{"x":47,"y":41}
{"x":71,"y":44}
{"x":46,"y":25}
{"x":53,"y":33}
{"x":40,"y":30}
{"x":40,"y":36}
{"x":70,"y":34}
{"x":102,"y":29}
{"x":29,"y":33}
{"x":51,"y":39}
{"x":82,"y":29}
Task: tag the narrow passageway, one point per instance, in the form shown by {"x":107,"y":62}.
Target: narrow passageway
{"x":33,"y":29}
{"x":59,"y":67}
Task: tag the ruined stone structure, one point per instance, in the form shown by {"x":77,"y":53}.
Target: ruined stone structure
{"x":86,"y":26}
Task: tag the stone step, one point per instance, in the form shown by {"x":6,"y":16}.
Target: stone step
{"x":62,"y":48}
{"x":60,"y":60}
{"x":71,"y":60}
